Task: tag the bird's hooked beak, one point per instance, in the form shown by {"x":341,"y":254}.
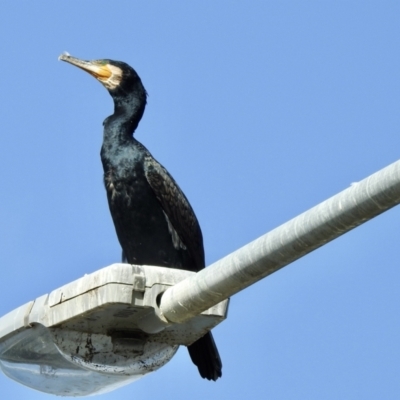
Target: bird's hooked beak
{"x":109,"y":75}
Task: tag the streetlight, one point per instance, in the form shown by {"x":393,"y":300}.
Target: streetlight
{"x":114,"y":326}
{"x":97,"y":333}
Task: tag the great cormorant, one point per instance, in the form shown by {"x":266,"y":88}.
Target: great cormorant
{"x":154,"y":221}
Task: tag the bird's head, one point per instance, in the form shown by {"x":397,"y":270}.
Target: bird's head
{"x":116,"y":76}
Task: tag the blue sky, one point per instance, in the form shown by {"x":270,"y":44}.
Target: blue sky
{"x":260,"y":110}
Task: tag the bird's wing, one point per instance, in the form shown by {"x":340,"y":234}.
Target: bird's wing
{"x":177,"y":209}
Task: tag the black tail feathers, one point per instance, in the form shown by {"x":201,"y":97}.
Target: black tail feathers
{"x":205,"y":356}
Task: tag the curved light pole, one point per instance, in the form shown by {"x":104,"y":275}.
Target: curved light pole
{"x":301,"y":235}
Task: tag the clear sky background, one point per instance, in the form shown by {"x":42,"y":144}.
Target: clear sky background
{"x":260,"y":110}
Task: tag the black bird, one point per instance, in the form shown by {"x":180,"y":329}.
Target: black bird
{"x":154,"y":221}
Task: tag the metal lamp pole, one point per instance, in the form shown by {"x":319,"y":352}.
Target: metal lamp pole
{"x":359,"y":203}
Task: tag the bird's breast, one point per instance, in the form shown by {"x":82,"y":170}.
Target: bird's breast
{"x":125,"y":187}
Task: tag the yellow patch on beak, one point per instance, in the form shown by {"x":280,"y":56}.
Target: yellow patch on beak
{"x":101,"y":73}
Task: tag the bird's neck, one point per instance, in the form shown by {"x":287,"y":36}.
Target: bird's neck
{"x":121,"y":125}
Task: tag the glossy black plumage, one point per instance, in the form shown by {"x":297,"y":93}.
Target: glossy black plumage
{"x":154,"y":221}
